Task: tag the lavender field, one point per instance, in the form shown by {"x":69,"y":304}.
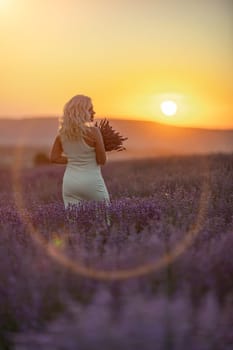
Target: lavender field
{"x":152,"y":270}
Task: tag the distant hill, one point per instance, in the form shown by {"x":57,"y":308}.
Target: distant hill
{"x":145,"y":139}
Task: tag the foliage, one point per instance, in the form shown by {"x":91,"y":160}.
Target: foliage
{"x":154,"y":204}
{"x":113,"y":141}
{"x":41,"y":158}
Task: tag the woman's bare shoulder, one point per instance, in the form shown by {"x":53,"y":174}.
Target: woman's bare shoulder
{"x":58,"y":139}
{"x":95,"y":130}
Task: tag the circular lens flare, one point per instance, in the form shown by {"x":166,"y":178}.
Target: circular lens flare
{"x":54,"y":247}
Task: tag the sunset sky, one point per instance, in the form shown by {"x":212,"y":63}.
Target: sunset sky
{"x":128,"y":55}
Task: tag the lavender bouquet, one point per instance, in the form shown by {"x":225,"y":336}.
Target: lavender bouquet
{"x":113,"y":141}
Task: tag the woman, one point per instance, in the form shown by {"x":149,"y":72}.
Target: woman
{"x":80,"y":145}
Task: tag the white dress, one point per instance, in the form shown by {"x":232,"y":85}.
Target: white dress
{"x":82,"y":179}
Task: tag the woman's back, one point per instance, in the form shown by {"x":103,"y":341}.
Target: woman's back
{"x":82,"y":179}
{"x":79,"y":154}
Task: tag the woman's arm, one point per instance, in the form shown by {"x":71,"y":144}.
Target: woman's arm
{"x":99,"y":146}
{"x":56,"y":152}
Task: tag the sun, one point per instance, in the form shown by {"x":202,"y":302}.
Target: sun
{"x":168,"y":107}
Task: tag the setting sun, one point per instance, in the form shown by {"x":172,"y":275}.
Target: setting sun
{"x":168,"y":108}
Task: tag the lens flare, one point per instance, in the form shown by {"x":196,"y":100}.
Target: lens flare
{"x":54,"y":247}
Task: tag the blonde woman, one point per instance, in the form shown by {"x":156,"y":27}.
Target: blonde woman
{"x":80,"y":146}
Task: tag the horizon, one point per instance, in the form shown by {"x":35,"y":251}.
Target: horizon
{"x":115,"y":118}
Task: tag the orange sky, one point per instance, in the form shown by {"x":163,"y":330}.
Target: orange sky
{"x":128,"y":55}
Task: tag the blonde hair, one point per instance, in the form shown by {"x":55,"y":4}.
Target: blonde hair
{"x":76,"y":115}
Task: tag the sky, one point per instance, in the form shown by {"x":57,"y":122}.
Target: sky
{"x":127,"y":55}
